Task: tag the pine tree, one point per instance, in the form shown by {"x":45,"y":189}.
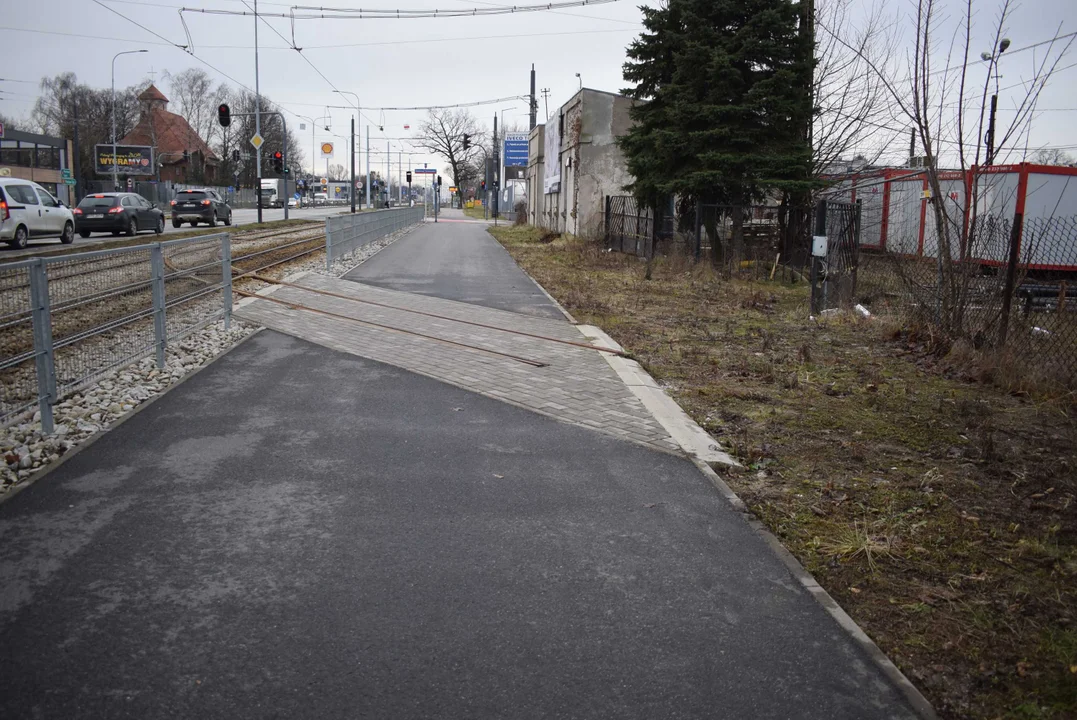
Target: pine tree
{"x":724,"y":101}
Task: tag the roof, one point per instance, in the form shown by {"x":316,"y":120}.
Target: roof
{"x":152,"y":93}
{"x":168,"y":132}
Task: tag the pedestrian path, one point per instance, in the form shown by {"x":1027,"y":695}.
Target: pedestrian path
{"x":509,"y":356}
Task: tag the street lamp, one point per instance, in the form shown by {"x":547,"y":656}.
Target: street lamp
{"x":313,"y":149}
{"x":580,"y":79}
{"x":352,"y":188}
{"x":115,"y":171}
{"x":993,"y":60}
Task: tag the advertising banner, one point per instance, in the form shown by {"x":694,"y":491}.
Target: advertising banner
{"x":551,"y":180}
{"x":129,"y":160}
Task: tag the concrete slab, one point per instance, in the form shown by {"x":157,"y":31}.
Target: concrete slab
{"x":575,"y":384}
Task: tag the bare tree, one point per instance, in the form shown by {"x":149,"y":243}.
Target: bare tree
{"x":1052,"y":156}
{"x":950,"y":119}
{"x":193,"y":95}
{"x":852,"y":107}
{"x":443,"y":134}
{"x":338,"y":172}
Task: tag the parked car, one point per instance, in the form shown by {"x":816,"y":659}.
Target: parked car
{"x":117,"y":212}
{"x":28,"y":210}
{"x":195,"y":206}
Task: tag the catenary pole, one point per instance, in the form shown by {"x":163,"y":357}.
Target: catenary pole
{"x":257,"y":116}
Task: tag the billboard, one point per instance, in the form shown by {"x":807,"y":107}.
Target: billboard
{"x":551,"y":177}
{"x":515,"y":153}
{"x":129,"y":160}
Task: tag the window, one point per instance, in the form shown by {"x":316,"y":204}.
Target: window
{"x":23,"y":194}
{"x":46,"y":199}
{"x":126,"y":202}
{"x":144,"y":202}
{"x":103,"y":201}
{"x":190,"y":195}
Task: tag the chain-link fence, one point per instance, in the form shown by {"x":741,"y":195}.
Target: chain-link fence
{"x":344,"y":234}
{"x":68,"y":320}
{"x":1009,"y":287}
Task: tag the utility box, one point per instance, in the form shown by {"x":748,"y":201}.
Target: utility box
{"x":818,"y":245}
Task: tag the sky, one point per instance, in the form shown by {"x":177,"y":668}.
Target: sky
{"x":433,"y":61}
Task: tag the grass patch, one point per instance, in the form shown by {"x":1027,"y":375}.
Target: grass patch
{"x":939,"y":511}
{"x":476,"y":213}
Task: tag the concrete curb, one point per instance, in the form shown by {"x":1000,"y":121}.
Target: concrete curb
{"x":120,"y":421}
{"x":694,"y":440}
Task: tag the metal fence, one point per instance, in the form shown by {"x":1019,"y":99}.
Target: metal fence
{"x":834,"y":273}
{"x":1010,"y":287}
{"x":629,"y":228}
{"x":344,"y":234}
{"x":67,"y":320}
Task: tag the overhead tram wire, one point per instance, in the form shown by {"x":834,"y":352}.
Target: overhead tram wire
{"x":190,"y":52}
{"x":312,"y":12}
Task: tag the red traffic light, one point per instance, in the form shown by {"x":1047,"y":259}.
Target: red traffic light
{"x":278,"y":155}
{"x":224,"y":115}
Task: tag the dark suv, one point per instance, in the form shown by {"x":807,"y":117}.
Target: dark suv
{"x":117,"y":213}
{"x":195,"y":206}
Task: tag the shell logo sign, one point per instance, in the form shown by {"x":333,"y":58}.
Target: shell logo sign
{"x":327,"y":149}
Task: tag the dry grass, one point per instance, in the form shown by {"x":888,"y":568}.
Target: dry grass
{"x":939,"y":510}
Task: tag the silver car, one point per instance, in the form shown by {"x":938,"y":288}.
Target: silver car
{"x":28,"y":210}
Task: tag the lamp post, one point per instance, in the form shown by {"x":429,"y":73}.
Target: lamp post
{"x":993,"y":59}
{"x":313,"y":149}
{"x":115,"y":171}
{"x":352,"y":189}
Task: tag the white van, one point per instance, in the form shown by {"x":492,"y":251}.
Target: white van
{"x":28,"y":210}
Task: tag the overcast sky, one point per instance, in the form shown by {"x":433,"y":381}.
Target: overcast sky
{"x":418,"y":62}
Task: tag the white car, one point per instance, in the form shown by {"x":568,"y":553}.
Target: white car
{"x":28,"y":210}
{"x":321,"y":199}
{"x":293,"y":202}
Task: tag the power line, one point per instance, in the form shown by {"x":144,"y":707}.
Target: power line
{"x":311,"y":12}
{"x":311,"y":47}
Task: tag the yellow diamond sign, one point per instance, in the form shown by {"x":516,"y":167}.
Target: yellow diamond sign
{"x":257,"y":141}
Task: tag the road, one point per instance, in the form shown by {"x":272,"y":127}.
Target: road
{"x":240,"y":217}
{"x":301,"y":533}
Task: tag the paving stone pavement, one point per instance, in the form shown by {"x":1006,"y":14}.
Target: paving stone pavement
{"x":576,"y":384}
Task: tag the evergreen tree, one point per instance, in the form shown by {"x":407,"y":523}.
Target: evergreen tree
{"x":725,"y":99}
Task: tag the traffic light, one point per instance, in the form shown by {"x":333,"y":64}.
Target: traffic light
{"x":224,"y":115}
{"x":409,"y":177}
{"x":467,"y":142}
{"x":439,"y":181}
{"x":235,"y":156}
{"x":484,"y":186}
{"x":278,"y":161}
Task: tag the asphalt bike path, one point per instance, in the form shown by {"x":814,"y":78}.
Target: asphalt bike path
{"x":301,"y":532}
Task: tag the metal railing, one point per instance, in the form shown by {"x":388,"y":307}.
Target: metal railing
{"x":344,"y":234}
{"x":67,"y":320}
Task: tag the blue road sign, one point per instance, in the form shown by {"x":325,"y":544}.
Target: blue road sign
{"x":515,"y":149}
{"x":428,"y":171}
{"x":231,"y":189}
